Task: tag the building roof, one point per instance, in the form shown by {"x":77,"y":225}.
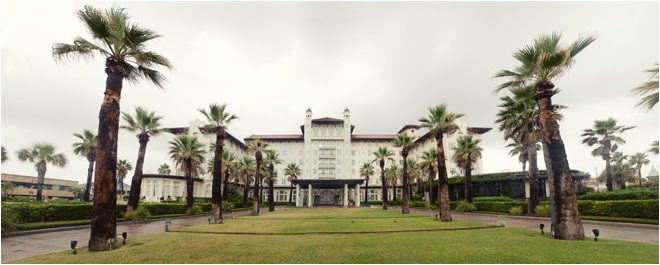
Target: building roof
{"x":273,"y":137}
{"x":652,"y":172}
{"x":302,"y":128}
{"x":407,"y":127}
{"x":478,"y":130}
{"x":328,"y":183}
{"x":328,"y":120}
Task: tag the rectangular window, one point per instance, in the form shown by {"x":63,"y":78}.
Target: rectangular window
{"x":176,"y":191}
{"x":353,"y":162}
{"x":316,"y":152}
{"x":314,"y":171}
{"x":338,"y":161}
{"x":400,"y":162}
{"x":314,"y":161}
{"x":283,"y":181}
{"x":300,"y":162}
{"x":352,"y":152}
{"x":284,"y":152}
{"x":368,"y":152}
{"x":353,"y":171}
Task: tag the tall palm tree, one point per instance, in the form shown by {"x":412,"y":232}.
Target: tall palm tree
{"x":396,"y":173}
{"x":648,"y":101}
{"x":618,"y":158}
{"x":122,"y":44}
{"x":4,"y":154}
{"x":293,"y":171}
{"x":164,"y":169}
{"x":257,"y":146}
{"x":123,"y":167}
{"x":381,"y":155}
{"x":519,"y":119}
{"x":413,"y":174}
{"x":145,"y":124}
{"x":366,"y":171}
{"x":603,"y":134}
{"x":272,"y":158}
{"x":540,"y":64}
{"x":86,"y":148}
{"x":246,"y":167}
{"x":219,"y":119}
{"x":406,"y":142}
{"x":41,"y":154}
{"x":439,"y":122}
{"x":187,"y":154}
{"x":228,"y":166}
{"x":430,"y":163}
{"x":639,"y":159}
{"x":654,"y":148}
{"x":466,"y":153}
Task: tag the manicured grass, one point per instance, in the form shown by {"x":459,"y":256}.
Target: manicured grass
{"x":492,"y":245}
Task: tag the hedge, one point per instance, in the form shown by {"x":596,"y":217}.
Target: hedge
{"x":492,"y":199}
{"x":620,"y":195}
{"x":628,"y":208}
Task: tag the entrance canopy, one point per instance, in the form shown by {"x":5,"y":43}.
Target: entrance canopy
{"x":328,"y":183}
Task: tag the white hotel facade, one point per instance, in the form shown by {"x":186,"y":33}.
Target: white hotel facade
{"x":328,"y":153}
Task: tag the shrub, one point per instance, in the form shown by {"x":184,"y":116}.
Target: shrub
{"x":418,"y":197}
{"x":8,"y":222}
{"x":141,"y":213}
{"x":502,"y":207}
{"x":464,"y":206}
{"x":619,"y":195}
{"x":429,"y":206}
{"x":195,"y":210}
{"x":516,"y":210}
{"x":543,"y":210}
{"x":630,"y":208}
{"x":492,"y":199}
{"x":227,"y":206}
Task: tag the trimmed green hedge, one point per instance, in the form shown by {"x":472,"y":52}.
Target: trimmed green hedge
{"x":629,"y":208}
{"x":620,"y":195}
{"x":492,"y":199}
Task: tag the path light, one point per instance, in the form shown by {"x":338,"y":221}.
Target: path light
{"x":124,"y":235}
{"x":110,"y":242}
{"x":552,"y":230}
{"x":436,"y":217}
{"x":596,"y":234}
{"x":209,"y":221}
{"x":220,"y":220}
{"x":232,"y":215}
{"x":541,"y":226}
{"x":73,"y":246}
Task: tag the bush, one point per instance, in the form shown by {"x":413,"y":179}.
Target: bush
{"x":543,"y":210}
{"x":501,"y":207}
{"x":418,"y":197}
{"x":429,"y":206}
{"x":620,"y":195}
{"x":141,"y":213}
{"x":516,"y":210}
{"x":631,"y":208}
{"x":464,"y":206}
{"x":492,"y":199}
{"x":8,"y":222}
{"x":195,"y":210}
{"x":227,"y":206}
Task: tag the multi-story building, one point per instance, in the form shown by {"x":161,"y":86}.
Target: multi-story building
{"x":329,"y":154}
{"x":26,"y":186}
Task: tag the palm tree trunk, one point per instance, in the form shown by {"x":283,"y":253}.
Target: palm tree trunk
{"x":41,"y":176}
{"x":257,"y":179}
{"x":189,"y":184}
{"x":468,"y":181}
{"x":136,"y":182}
{"x":261,"y":190}
{"x":216,"y":185}
{"x":225,"y":187}
{"x":290,"y":193}
{"x":431,"y":191}
{"x":271,"y":196}
{"x":533,"y":180}
{"x":91,"y":157}
{"x":245,"y":195}
{"x":366,"y":192}
{"x":104,"y":209}
{"x":639,"y":174}
{"x":405,"y":208}
{"x":565,"y":216}
{"x":608,"y":173}
{"x":383,"y":183}
{"x":443,"y":187}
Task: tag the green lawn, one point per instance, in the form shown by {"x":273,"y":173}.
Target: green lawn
{"x":492,"y":245}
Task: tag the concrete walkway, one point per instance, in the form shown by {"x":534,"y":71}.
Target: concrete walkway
{"x":37,"y":242}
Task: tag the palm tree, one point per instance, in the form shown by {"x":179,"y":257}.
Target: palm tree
{"x":146,"y":124}
{"x":366,"y":171}
{"x":618,"y":158}
{"x":257,"y":146}
{"x":381,"y":155}
{"x":467,"y":152}
{"x":654,"y":148}
{"x":606,"y":130}
{"x":164,"y":169}
{"x":187,"y":154}
{"x":648,"y":101}
{"x":519,"y":120}
{"x":86,"y":148}
{"x":76,"y":192}
{"x":406,"y":143}
{"x":228,"y":166}
{"x":123,"y":167}
{"x":639,"y":159}
{"x":4,"y":154}
{"x":413,"y":174}
{"x":219,"y":119}
{"x":247,"y":167}
{"x":272,"y":158}
{"x":7,"y":186}
{"x":41,"y":154}
{"x":293,"y":171}
{"x":542,"y":62}
{"x":439,"y":122}
{"x":395,"y":173}
{"x":123,"y":45}
{"x":430,"y":163}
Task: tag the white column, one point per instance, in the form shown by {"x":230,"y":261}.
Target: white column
{"x":345,"y":195}
{"x":309,"y":195}
{"x":298,"y":195}
{"x":357,"y":191}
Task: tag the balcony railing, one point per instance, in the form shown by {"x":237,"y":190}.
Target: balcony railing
{"x":326,"y":146}
{"x":332,"y":156}
{"x":326,"y":165}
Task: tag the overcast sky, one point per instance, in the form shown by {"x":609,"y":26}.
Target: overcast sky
{"x":386,"y":61}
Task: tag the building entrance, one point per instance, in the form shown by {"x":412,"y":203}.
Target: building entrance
{"x":328,"y":197}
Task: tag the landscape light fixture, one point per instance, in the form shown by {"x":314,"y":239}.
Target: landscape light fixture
{"x":73,"y":246}
{"x":436,"y":217}
{"x":209,"y":221}
{"x":124,"y":235}
{"x":596,"y":234}
{"x":220,"y":220}
{"x":541,"y":226}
